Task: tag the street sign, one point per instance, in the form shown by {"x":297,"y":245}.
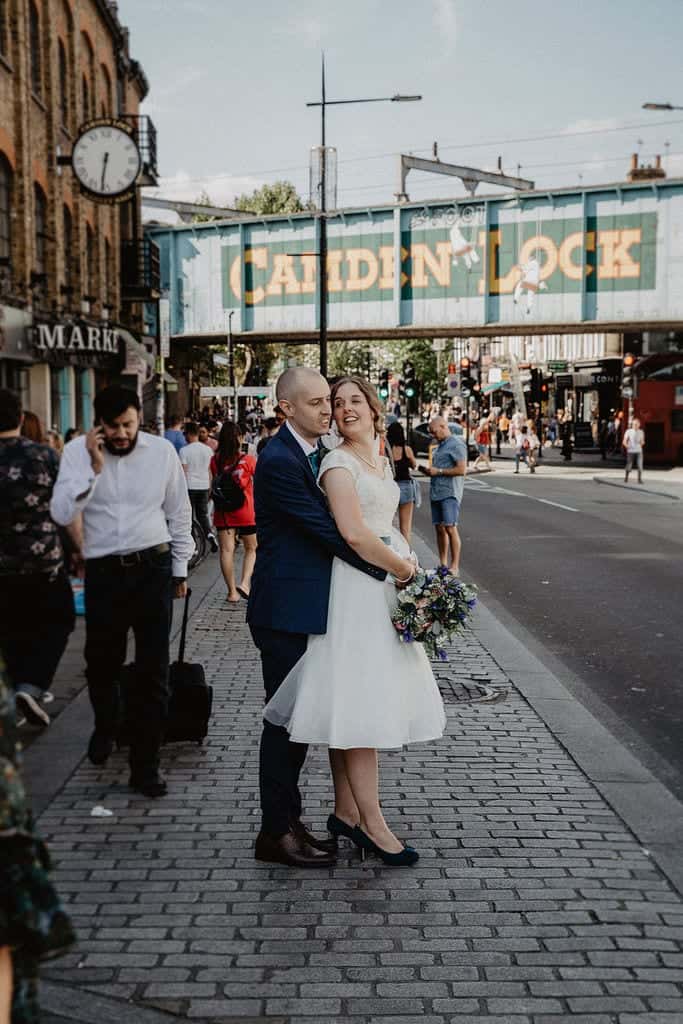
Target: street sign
{"x":266,"y":391}
{"x":557,"y":366}
{"x":220,"y":360}
{"x":164,"y":328}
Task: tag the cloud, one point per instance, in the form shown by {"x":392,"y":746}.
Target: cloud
{"x":161,"y":96}
{"x":445,"y":19}
{"x":222,"y":189}
{"x":310,"y":29}
{"x":587,"y":125}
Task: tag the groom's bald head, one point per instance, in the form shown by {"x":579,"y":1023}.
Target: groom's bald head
{"x":292,"y":382}
{"x":304,"y":396}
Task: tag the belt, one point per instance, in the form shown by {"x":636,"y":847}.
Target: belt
{"x":132,"y":558}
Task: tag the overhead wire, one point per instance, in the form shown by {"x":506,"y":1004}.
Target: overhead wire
{"x":522,"y":140}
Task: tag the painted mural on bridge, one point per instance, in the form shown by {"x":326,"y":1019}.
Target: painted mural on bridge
{"x":606,"y":255}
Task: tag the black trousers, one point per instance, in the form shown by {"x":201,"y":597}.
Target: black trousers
{"x":119,"y":598}
{"x":36,"y":617}
{"x":200,"y":509}
{"x":280,"y":761}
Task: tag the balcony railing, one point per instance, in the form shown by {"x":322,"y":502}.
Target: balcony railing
{"x":140,"y":271}
{"x":146,"y":139}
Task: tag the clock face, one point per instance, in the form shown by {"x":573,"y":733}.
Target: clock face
{"x":106,"y":160}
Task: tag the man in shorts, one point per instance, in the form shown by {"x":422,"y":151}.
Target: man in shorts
{"x":447,"y":472}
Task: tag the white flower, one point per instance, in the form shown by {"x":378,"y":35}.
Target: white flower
{"x":14,"y":473}
{"x":37,"y":548}
{"x":31,"y":499}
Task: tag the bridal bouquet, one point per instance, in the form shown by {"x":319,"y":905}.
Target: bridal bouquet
{"x":432,"y":608}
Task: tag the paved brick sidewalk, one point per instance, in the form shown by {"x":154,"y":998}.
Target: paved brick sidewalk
{"x":532,"y":901}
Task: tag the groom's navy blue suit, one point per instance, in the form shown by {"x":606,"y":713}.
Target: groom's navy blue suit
{"x":297,"y":541}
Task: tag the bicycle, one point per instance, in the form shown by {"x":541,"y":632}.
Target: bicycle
{"x":200,"y":545}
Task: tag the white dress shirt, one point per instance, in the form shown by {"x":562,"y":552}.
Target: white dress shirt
{"x":137,"y":501}
{"x":305,"y":445}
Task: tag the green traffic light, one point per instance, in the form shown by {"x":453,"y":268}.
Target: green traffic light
{"x":410,"y":392}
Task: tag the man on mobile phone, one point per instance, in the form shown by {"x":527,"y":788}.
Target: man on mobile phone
{"x":131,"y":491}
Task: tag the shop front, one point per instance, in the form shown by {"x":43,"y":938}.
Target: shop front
{"x":71,"y":361}
{"x":15,"y":351}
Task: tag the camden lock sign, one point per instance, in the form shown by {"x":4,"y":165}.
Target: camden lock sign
{"x":76,"y":343}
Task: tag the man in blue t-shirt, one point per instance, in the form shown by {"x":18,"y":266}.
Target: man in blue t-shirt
{"x":174,"y":434}
{"x":447,"y":472}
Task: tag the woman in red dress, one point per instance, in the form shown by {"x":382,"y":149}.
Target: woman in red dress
{"x":242,"y":522}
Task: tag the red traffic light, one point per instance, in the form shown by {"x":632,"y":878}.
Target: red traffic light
{"x":629,"y":359}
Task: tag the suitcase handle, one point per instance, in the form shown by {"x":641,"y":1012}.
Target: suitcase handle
{"x":183,"y":628}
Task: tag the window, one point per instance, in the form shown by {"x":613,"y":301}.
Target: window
{"x":107,"y":99}
{"x":86,"y":98}
{"x":4,"y":29}
{"x":36,"y":56}
{"x":90,"y":277}
{"x":40,"y":222}
{"x":63,"y":85}
{"x":5,"y":209}
{"x":107,"y":273}
{"x":67,"y":254}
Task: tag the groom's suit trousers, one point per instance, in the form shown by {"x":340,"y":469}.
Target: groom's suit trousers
{"x":280,"y":760}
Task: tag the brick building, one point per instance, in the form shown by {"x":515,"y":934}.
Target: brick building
{"x":73,"y":271}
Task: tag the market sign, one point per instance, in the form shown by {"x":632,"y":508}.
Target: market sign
{"x":75,"y":342}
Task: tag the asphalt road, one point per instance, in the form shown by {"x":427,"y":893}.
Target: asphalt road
{"x":591,"y":578}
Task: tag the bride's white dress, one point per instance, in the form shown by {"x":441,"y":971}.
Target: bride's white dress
{"x":358,"y":685}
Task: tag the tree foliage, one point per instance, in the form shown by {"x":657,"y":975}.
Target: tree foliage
{"x":280,"y":197}
{"x":203,"y":199}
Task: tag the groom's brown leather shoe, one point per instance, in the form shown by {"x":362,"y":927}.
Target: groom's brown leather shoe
{"x":292,"y":850}
{"x":326,"y":845}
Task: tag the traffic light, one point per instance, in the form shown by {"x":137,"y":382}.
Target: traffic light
{"x":383,"y":384}
{"x":465,"y":365}
{"x":401,"y":389}
{"x":628,"y":375}
{"x":410,"y":384}
{"x":467,"y":386}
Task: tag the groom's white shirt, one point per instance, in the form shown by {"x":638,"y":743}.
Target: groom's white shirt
{"x":305,"y":446}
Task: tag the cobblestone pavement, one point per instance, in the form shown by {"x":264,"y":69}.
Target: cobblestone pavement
{"x":532,"y":901}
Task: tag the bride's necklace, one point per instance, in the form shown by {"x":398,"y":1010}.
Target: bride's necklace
{"x":372,"y":464}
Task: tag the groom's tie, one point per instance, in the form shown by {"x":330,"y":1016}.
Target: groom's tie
{"x":314,"y":461}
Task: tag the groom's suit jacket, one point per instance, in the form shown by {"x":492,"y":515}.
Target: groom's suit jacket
{"x":297,"y":540}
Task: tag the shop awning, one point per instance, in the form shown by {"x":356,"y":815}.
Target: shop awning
{"x":136,"y":346}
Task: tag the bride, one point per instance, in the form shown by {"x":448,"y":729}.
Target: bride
{"x":358,"y":688}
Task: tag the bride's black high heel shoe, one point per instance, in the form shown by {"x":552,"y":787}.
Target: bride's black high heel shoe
{"x":336,"y":827}
{"x":406,"y":858}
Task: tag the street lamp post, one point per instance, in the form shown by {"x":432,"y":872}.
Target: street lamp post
{"x":660,"y":106}
{"x":231,"y":367}
{"x":323,"y":103}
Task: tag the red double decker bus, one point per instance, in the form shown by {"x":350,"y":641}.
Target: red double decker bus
{"x":658,"y":404}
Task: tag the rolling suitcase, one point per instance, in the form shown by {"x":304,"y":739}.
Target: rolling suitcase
{"x":191,"y":697}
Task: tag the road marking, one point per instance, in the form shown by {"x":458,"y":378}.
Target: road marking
{"x":556,"y":504}
{"x":480,"y":485}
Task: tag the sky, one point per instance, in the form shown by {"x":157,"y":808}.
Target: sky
{"x":555,"y":90}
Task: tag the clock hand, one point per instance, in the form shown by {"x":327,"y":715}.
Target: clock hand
{"x":104,"y":169}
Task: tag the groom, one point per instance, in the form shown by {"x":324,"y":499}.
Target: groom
{"x":297,"y":541}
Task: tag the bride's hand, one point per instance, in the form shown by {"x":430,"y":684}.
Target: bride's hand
{"x":407,"y":574}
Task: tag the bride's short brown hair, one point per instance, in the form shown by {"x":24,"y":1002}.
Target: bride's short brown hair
{"x":366,"y":388}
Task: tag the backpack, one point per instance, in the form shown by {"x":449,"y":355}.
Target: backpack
{"x":226,"y":493}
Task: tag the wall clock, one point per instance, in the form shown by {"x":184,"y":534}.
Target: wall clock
{"x":106,"y":160}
